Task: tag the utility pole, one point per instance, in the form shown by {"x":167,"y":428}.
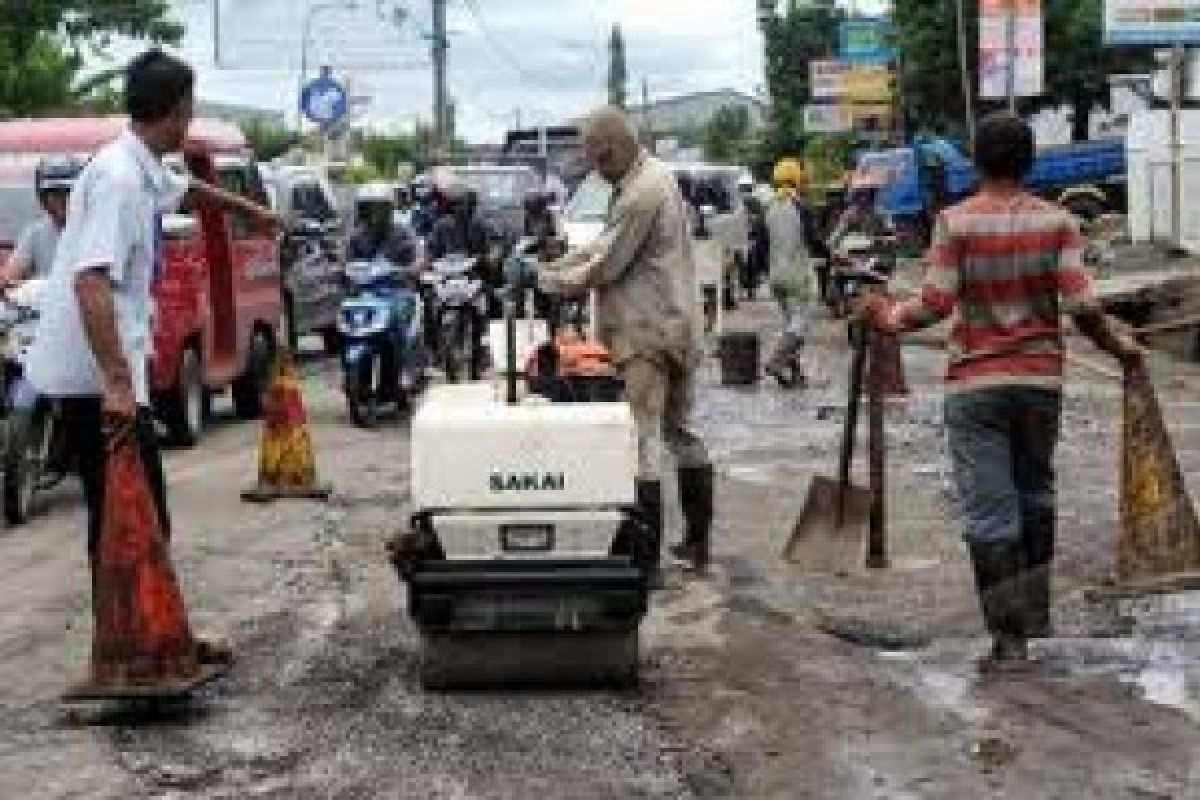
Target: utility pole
{"x":441,"y":44}
{"x":967,"y":88}
{"x":1010,"y":53}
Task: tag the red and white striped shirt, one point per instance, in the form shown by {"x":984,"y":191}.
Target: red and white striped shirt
{"x":1007,"y":266}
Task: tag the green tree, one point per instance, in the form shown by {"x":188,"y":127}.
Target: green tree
{"x":1077,"y":64}
{"x":43,"y":44}
{"x":728,"y":137}
{"x":269,"y":140}
{"x":794,"y":34}
{"x":618,"y":74}
{"x":386,"y":152}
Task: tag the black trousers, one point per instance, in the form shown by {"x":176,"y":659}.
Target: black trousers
{"x":83,"y":428}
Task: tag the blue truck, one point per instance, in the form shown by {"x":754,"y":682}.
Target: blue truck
{"x":1086,"y":178}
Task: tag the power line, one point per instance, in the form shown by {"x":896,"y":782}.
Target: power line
{"x":499,"y":47}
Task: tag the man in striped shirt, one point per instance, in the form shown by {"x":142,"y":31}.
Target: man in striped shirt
{"x":1006,"y":265}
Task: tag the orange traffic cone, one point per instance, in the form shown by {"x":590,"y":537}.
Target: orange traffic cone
{"x":287,"y":466}
{"x":142,"y":645}
{"x":1160,"y":536}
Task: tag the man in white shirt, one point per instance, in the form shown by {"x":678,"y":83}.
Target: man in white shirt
{"x":93,"y":338}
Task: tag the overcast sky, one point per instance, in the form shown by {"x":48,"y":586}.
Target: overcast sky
{"x":545,"y":58}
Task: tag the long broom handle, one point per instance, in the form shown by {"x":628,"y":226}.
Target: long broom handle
{"x":850,"y":428}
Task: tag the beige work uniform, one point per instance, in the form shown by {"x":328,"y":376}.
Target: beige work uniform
{"x":642,"y":270}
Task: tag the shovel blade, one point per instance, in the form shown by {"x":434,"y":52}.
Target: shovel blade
{"x":820,"y":542}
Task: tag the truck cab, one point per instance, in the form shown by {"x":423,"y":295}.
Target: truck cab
{"x":218,"y":298}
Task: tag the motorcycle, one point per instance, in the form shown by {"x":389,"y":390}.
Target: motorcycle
{"x":459,"y":315}
{"x":380,"y":325}
{"x":36,"y":459}
{"x":860,"y":260}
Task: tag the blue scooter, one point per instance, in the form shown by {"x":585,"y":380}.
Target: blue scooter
{"x":383,"y":340}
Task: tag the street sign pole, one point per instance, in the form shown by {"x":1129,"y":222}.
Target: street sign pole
{"x":1177,"y":75}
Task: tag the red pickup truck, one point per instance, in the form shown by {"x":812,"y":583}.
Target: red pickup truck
{"x":218,"y":298}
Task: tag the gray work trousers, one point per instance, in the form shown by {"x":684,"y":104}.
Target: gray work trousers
{"x":661,"y":393}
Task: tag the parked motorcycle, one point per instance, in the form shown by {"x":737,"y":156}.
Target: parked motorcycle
{"x":36,"y":458}
{"x":459,"y":316}
{"x":381,"y":328}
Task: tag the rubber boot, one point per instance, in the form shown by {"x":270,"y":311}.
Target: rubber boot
{"x":997,"y":569}
{"x":649,"y":552}
{"x":696,"y":499}
{"x":1037,"y":551}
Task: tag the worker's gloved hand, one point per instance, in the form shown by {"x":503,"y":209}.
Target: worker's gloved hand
{"x":872,"y":309}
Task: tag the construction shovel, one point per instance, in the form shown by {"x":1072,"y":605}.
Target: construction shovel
{"x":828,"y":535}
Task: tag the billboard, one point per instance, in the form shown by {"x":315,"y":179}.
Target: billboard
{"x":1152,"y":22}
{"x":865,"y":40}
{"x":827,"y":79}
{"x":1026,"y":55}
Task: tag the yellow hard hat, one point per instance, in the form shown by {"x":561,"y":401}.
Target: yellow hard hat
{"x":789,"y":172}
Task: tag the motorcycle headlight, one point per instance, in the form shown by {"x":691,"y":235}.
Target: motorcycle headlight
{"x":362,"y":322}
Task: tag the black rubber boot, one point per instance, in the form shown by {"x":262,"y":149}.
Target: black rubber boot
{"x":996,"y":570}
{"x":649,"y":552}
{"x":1037,"y":555}
{"x":696,"y":498}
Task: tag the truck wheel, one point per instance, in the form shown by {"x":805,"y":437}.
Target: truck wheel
{"x":290,"y":321}
{"x":248,"y":390}
{"x":186,"y":406}
{"x":362,"y":400}
{"x":25,"y":456}
{"x":331,"y":341}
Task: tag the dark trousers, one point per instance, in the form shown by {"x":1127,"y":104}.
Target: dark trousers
{"x":83,"y":427}
{"x":1002,"y":443}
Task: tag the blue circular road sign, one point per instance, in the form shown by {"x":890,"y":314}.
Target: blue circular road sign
{"x":324,"y":100}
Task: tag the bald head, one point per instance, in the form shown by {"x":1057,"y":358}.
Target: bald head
{"x":610,"y":143}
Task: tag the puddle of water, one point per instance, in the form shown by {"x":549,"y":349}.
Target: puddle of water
{"x":1169,"y":615}
{"x":947,"y":689}
{"x":1168,"y":687}
{"x":952,"y":692}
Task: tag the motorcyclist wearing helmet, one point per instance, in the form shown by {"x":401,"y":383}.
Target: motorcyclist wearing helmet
{"x":376,"y":234}
{"x":861,"y":216}
{"x":458,"y":229}
{"x":34,"y":254}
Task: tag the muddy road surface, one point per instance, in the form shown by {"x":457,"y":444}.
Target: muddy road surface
{"x":763,"y":681}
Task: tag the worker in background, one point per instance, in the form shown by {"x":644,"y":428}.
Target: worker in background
{"x":376,"y":234}
{"x":34,"y":254}
{"x":1004,"y":382}
{"x":642,"y":270}
{"x":793,"y":244}
{"x":402,"y":216}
